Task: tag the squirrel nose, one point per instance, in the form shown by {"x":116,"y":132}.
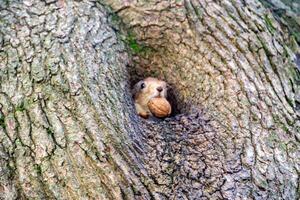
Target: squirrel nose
{"x":159,"y":89}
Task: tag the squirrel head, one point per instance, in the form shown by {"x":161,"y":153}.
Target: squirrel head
{"x":150,"y":88}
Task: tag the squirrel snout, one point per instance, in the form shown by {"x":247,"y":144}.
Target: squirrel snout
{"x":159,"y":89}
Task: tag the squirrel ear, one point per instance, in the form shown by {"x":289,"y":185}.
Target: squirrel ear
{"x":136,"y":88}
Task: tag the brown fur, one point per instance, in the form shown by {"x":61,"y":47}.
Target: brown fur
{"x":142,"y":96}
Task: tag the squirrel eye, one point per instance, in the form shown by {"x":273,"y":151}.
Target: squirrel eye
{"x":143,"y":85}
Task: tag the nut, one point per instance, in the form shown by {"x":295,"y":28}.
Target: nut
{"x":159,"y":107}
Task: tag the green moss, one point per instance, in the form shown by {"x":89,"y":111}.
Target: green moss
{"x":295,"y":75}
{"x":254,"y":118}
{"x":286,"y":18}
{"x":20,"y":107}
{"x":199,"y":12}
{"x":269,"y":24}
{"x":285,"y":128}
{"x":286,"y":52}
{"x":114,"y":17}
{"x":282,"y":146}
{"x":6,"y":2}
{"x":291,"y":102}
{"x":264,"y":183}
{"x":38,"y":169}
{"x":293,"y":43}
{"x":133,"y":44}
{"x":24,"y":104}
{"x":136,"y":47}
{"x":276,"y":118}
{"x":293,"y":27}
{"x":50,"y":131}
{"x":273,"y":137}
{"x":265,"y":47}
{"x":18,"y":142}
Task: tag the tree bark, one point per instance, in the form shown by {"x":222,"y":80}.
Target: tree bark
{"x":68,"y":127}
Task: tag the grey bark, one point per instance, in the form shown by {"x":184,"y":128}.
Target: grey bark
{"x":68,"y":128}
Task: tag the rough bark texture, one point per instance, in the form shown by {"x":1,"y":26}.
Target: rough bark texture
{"x":68,"y":128}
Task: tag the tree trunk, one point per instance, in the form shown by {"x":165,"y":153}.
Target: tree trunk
{"x":68,"y":127}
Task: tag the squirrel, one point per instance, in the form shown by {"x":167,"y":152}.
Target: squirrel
{"x":145,"y":90}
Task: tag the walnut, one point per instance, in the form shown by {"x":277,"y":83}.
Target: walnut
{"x":159,"y":107}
